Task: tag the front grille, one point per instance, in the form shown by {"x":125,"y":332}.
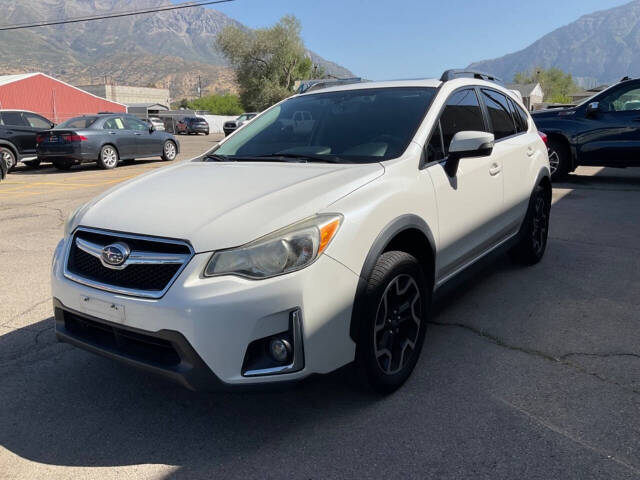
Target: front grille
{"x":138,"y":346}
{"x":151,"y":277}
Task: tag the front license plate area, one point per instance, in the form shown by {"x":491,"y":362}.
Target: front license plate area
{"x":101,"y":309}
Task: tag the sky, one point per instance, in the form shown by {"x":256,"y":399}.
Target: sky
{"x":391,"y":39}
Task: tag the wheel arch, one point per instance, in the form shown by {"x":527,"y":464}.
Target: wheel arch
{"x":408,"y":233}
{"x":564,"y":140}
{"x":12,"y":147}
{"x":109,"y":144}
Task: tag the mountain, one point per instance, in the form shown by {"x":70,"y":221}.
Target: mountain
{"x":603,"y":46}
{"x":170,"y":49}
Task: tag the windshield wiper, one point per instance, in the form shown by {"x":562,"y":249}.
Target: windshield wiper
{"x":216,"y":158}
{"x":305,"y":157}
{"x":273,"y":157}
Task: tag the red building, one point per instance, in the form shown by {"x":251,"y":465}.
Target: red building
{"x":51,"y":98}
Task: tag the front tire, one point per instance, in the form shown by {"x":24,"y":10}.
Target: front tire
{"x":392,"y":330}
{"x":535,"y":229}
{"x":8,"y":157}
{"x":108,"y":157}
{"x":169,"y":151}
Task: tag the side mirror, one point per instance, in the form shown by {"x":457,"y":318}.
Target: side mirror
{"x":593,"y":108}
{"x":53,"y":125}
{"x":152,"y":129}
{"x":468,"y":144}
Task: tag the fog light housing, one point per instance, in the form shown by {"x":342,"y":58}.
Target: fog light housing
{"x":279,"y":349}
{"x":278,"y":353}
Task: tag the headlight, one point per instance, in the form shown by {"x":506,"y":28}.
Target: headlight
{"x":283,"y":251}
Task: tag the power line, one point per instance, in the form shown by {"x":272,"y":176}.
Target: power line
{"x":111,"y":15}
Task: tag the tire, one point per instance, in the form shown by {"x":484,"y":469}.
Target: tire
{"x":169,"y":151}
{"x":108,"y":157}
{"x":9,"y":158}
{"x":559,"y":159}
{"x":532,"y":241}
{"x":32,"y":164}
{"x":63,"y":164}
{"x":391,"y":337}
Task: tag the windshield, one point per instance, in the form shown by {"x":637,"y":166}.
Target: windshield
{"x":364,"y":126}
{"x":78,"y":122}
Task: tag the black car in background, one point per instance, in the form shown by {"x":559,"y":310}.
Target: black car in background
{"x":189,"y":125}
{"x":106,"y":139}
{"x":602,"y":131}
{"x":233,"y":125}
{"x":18,"y":132}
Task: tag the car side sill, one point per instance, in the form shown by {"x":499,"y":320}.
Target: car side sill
{"x":462,"y":268}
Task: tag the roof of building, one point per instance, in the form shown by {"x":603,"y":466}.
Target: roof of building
{"x":525,"y":89}
{"x":7,"y":79}
{"x":146,"y":105}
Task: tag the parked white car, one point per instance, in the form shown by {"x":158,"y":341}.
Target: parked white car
{"x":287,"y":252}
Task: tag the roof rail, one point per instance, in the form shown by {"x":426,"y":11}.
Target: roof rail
{"x":452,"y":74}
{"x":327,"y":83}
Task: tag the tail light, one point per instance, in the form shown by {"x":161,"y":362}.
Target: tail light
{"x":40,"y":138}
{"x":70,"y":138}
{"x":544,"y":137}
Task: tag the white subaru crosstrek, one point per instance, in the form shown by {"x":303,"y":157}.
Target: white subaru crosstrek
{"x":296,"y":247}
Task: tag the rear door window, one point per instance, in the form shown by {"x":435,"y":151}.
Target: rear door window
{"x":115,"y":123}
{"x":501,"y":120}
{"x":36,"y":121}
{"x":14,"y":119}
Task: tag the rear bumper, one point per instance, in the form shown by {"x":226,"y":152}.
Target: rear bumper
{"x":229,"y":131}
{"x":65,"y":152}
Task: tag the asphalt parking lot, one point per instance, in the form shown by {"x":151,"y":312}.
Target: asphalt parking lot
{"x":526,"y":372}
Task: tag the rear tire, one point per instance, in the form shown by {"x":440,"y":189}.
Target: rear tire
{"x":63,"y":164}
{"x":535,"y":229}
{"x":32,"y":164}
{"x":9,"y":158}
{"x":393,"y":326}
{"x":108,"y":157}
{"x":559,"y":159}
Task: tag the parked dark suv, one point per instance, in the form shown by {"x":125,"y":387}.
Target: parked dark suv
{"x":189,"y":125}
{"x":18,"y":131}
{"x":603,"y":131}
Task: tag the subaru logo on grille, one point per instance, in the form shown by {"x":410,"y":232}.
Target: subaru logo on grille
{"x":115,"y":254}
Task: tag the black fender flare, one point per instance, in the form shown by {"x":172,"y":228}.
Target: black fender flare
{"x":384,"y":238}
{"x":10,"y":145}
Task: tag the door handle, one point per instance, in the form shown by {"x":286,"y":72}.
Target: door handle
{"x":495,"y":169}
{"x":112,"y":133}
{"x":138,"y":134}
{"x":530,"y":152}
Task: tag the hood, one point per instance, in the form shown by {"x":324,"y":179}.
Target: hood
{"x":553,"y":112}
{"x":222,"y":205}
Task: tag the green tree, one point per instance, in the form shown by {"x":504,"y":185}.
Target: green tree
{"x":218,"y":104}
{"x":267,"y":62}
{"x":556,"y":85}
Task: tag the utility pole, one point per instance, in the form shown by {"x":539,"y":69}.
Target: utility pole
{"x":199,"y":87}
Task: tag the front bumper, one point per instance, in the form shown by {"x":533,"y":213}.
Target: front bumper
{"x":214,"y":320}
